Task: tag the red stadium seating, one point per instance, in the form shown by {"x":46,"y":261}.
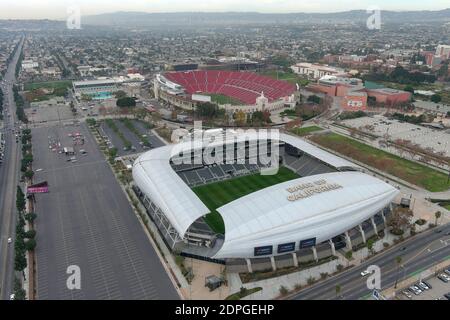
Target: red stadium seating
{"x":243,"y":86}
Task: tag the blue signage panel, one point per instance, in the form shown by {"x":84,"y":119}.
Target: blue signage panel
{"x":307,"y":243}
{"x":262,"y":251}
{"x":286,"y":247}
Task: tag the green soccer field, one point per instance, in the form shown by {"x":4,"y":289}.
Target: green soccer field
{"x":217,"y":194}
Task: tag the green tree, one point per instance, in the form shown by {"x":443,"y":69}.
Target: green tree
{"x":20,"y":262}
{"x":437,"y":215}
{"x":409,"y":88}
{"x":30,"y":234}
{"x":30,"y":244}
{"x":126,"y":102}
{"x":120,"y":94}
{"x":20,"y":200}
{"x":30,"y":217}
{"x":314,"y":99}
{"x":370,"y":244}
{"x":19,"y":292}
{"x":436,"y":98}
{"x":29,"y":174}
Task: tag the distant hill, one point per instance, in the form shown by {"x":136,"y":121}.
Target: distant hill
{"x":142,"y":19}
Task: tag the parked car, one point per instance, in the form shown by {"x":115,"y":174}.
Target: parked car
{"x":447,"y":295}
{"x":407,"y":294}
{"x":422,"y":286}
{"x":415,"y":290}
{"x":443,"y":277}
{"x":427,"y":284}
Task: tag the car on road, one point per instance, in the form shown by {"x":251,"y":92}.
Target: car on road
{"x":9,"y":240}
{"x":365,"y":273}
{"x":12,"y":296}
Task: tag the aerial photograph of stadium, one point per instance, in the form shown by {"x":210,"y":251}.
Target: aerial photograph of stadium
{"x":249,"y":153}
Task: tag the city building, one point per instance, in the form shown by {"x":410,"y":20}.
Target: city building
{"x":314,"y":71}
{"x":443,"y":51}
{"x":355,"y":95}
{"x":97,"y":89}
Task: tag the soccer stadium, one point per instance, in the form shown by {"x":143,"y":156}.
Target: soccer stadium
{"x":245,"y":91}
{"x":233,"y":212}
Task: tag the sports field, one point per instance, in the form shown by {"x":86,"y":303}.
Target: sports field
{"x":407,"y":170}
{"x":223,"y":99}
{"x":64,"y":84}
{"x":217,"y":194}
{"x":286,"y":76}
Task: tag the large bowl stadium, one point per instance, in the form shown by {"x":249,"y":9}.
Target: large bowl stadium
{"x":228,"y":212}
{"x":248,"y":90}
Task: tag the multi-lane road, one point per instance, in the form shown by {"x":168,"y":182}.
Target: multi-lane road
{"x":9,"y":178}
{"x":417,"y":254}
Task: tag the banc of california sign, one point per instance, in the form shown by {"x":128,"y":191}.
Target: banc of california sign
{"x":309,"y":189}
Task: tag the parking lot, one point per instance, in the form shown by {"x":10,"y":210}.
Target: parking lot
{"x":50,"y":113}
{"x":87,"y":221}
{"x":433,"y":288}
{"x":438,"y":140}
{"x":117,"y":142}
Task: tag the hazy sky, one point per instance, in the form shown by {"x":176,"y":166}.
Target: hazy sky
{"x":57,"y":9}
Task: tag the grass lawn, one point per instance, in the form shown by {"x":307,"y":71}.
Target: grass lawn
{"x":217,"y":194}
{"x":410,"y":171}
{"x":306,"y":130}
{"x":223,"y":99}
{"x":48,"y":85}
{"x":286,"y":76}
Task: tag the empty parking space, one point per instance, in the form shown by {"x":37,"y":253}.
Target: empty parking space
{"x":86,"y":220}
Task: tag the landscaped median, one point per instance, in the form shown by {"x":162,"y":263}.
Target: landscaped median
{"x":304,"y":131}
{"x":410,"y":171}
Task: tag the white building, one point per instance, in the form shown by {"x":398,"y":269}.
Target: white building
{"x":313,"y":71}
{"x":443,"y":51}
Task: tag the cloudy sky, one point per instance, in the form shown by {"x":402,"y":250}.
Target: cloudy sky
{"x":57,"y":9}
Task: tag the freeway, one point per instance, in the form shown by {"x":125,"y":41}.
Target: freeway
{"x":417,"y":254}
{"x":9,"y":177}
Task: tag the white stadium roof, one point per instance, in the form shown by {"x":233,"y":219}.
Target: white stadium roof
{"x":267,"y":217}
{"x":154,"y":175}
{"x":336,"y":202}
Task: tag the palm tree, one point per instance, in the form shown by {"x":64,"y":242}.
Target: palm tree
{"x":399,"y":261}
{"x":437,"y":215}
